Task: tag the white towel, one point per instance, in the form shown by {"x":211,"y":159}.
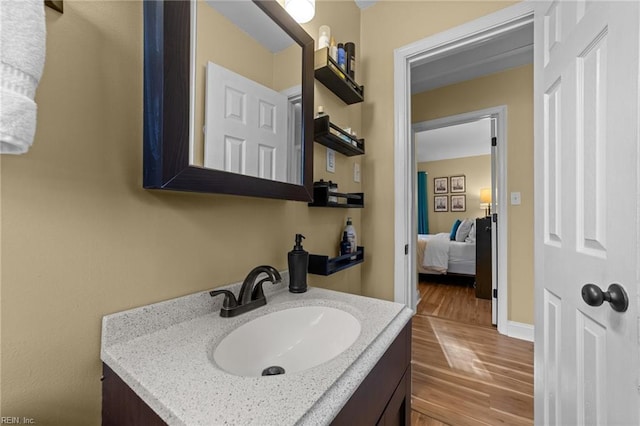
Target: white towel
{"x":22,"y":51}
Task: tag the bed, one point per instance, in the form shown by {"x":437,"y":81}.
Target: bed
{"x":438,"y":254}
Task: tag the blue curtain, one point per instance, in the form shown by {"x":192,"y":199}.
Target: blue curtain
{"x":423,"y":212}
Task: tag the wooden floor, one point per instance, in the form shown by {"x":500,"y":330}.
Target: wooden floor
{"x":453,"y":301}
{"x":465,"y":373}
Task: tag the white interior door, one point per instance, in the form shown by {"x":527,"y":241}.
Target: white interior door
{"x":245,"y":126}
{"x":494,"y":226}
{"x":586,"y":211}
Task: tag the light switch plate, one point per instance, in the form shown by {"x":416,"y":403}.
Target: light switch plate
{"x":356,"y":172}
{"x":515,"y":199}
{"x":331,"y":161}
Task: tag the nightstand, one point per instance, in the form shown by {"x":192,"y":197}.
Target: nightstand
{"x":483,"y":258}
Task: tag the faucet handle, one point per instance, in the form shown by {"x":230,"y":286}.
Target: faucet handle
{"x":229,"y":298}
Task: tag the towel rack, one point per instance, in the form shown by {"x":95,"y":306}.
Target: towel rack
{"x":55,"y":5}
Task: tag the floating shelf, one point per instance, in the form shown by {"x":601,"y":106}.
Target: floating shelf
{"x":332,"y":136}
{"x":329,"y":73}
{"x":324,"y":265}
{"x":321,"y":196}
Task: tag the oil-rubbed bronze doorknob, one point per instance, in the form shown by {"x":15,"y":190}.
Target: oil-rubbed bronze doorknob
{"x":615,"y":295}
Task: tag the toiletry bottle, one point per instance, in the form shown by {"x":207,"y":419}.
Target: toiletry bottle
{"x":345,"y":245}
{"x":333,"y":50}
{"x":351,"y":234}
{"x":323,"y":36}
{"x":320,"y":112}
{"x":341,"y":57}
{"x":298,"y":264}
{"x":333,"y":188}
{"x":346,"y":138}
{"x":350,"y":58}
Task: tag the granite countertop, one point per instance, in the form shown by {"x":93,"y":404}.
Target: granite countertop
{"x":164,"y":353}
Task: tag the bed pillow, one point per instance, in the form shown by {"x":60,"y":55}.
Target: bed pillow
{"x":463,"y":230}
{"x":472,"y":234}
{"x":454,"y":229}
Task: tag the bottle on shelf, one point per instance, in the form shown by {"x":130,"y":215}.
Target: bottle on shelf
{"x":341,"y":57}
{"x":346,"y":138}
{"x":351,"y":234}
{"x":355,"y":136}
{"x":324,"y":34}
{"x":321,"y":112}
{"x":333,"y":50}
{"x":333,"y":188}
{"x":345,"y":245}
{"x":350,"y":58}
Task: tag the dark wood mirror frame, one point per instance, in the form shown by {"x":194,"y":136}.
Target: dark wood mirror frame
{"x":167,"y":71}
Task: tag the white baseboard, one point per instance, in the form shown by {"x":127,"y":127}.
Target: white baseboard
{"x":519,"y":330}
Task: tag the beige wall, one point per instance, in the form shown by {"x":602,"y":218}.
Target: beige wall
{"x":81,"y":238}
{"x":477,"y":171}
{"x":513,"y":88}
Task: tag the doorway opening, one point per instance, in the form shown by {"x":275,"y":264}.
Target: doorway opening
{"x":455,"y":41}
{"x":448,"y":352}
{"x":457,"y":269}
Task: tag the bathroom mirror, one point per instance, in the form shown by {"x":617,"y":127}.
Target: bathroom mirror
{"x":228,"y":99}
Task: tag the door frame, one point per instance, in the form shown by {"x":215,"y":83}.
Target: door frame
{"x":422,"y":51}
{"x":499,"y":269}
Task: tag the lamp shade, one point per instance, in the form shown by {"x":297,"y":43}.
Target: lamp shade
{"x":301,"y":10}
{"x":485,"y":195}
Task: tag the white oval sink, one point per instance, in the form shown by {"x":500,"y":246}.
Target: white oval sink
{"x":295,"y":339}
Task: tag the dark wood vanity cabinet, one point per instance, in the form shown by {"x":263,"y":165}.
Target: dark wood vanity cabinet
{"x":483,"y":258}
{"x":383,"y":397}
{"x":121,"y":406}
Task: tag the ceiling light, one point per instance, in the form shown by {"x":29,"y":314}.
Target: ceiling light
{"x":301,"y":10}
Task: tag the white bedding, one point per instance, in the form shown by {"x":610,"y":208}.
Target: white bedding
{"x":437,"y":254}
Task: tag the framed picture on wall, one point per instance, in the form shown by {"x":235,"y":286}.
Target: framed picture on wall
{"x":440,"y":203}
{"x":440,"y":185}
{"x":458,"y":184}
{"x":458,"y":203}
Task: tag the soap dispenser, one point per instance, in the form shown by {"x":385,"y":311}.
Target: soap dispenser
{"x":298,"y":264}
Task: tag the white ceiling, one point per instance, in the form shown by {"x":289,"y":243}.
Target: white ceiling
{"x":363,"y":4}
{"x":462,"y":140}
{"x":253,"y":21}
{"x":497,"y":54}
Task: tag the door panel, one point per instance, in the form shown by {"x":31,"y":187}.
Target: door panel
{"x":591,"y":71}
{"x":553,"y":333}
{"x":587,"y":167}
{"x":553,"y":170}
{"x":234,"y":154}
{"x":591,"y":362}
{"x":248,"y":124}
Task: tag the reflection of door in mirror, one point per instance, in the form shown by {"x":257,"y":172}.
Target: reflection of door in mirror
{"x":249,"y":120}
{"x":245,"y":126}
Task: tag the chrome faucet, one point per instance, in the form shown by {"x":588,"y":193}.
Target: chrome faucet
{"x":251,"y":294}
